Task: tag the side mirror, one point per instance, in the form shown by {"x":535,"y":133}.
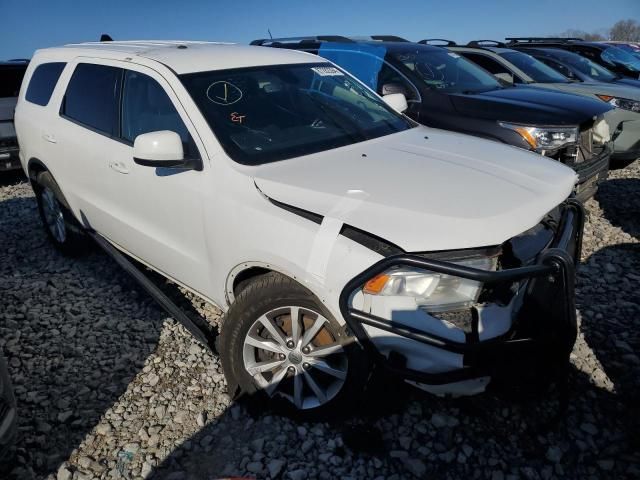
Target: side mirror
{"x":162,"y":149}
{"x":505,"y":77}
{"x":397,"y":101}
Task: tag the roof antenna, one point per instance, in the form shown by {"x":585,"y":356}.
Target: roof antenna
{"x":270,"y":36}
{"x":106,"y":38}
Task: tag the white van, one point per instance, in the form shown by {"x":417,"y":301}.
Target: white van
{"x":333,"y":231}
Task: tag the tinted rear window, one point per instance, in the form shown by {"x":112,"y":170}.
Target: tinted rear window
{"x":43,"y":81}
{"x":10,"y":80}
{"x":92,"y":97}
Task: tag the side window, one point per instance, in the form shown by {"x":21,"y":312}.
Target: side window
{"x":92,"y":97}
{"x":489,"y":64}
{"x":43,"y":81}
{"x":146,"y":107}
{"x":557,"y":66}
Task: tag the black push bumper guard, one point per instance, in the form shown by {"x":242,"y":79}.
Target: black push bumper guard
{"x":554,"y":270}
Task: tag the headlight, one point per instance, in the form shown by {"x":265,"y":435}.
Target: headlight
{"x":544,"y":138}
{"x":623,"y":103}
{"x":434,"y":292}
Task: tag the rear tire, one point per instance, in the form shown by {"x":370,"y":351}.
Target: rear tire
{"x":62,"y":229}
{"x":312,"y":370}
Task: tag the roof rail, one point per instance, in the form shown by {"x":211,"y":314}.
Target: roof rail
{"x":542,"y":39}
{"x":19,"y":60}
{"x":389,"y":38}
{"x":445,"y":43}
{"x":318,"y":38}
{"x":486,"y":43}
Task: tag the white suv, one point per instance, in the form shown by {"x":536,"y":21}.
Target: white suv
{"x":275,"y":185}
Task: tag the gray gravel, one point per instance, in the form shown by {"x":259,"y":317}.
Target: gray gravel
{"x":109,"y":387}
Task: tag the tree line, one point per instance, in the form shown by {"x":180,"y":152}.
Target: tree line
{"x":624,"y":30}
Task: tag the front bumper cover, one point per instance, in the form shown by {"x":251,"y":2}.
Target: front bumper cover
{"x":541,"y":338}
{"x":590,"y":176}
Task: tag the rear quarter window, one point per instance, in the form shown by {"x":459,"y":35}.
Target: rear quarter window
{"x":92,"y":97}
{"x":43,"y":81}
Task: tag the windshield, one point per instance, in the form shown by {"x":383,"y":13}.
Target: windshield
{"x":447,"y":71}
{"x":271,"y":113}
{"x":618,"y":56}
{"x":585,"y":66}
{"x":538,"y":71}
{"x":10,"y":80}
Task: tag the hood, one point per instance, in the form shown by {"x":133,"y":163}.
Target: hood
{"x":628,"y":81}
{"x":7,"y":106}
{"x":530,"y":105}
{"x":424,"y":189}
{"x":595,"y":88}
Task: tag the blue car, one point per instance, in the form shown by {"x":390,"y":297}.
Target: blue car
{"x":577,"y":67}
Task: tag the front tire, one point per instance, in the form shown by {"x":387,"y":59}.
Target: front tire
{"x":62,"y":229}
{"x":279,"y":342}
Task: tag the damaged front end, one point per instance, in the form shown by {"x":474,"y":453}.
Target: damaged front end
{"x":452,"y":322}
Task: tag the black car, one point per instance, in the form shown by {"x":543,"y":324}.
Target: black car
{"x":577,"y":67}
{"x":608,"y":56}
{"x":11,"y":74}
{"x":444,"y":90}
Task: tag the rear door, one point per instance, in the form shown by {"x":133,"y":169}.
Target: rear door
{"x":84,"y":135}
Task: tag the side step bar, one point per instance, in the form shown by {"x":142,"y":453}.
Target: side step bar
{"x":158,"y":295}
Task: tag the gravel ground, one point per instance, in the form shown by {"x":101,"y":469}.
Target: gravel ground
{"x":109,"y":387}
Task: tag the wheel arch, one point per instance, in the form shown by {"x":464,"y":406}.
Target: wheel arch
{"x":34,"y":167}
{"x":252,"y":269}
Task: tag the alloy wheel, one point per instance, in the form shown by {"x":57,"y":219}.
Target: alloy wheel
{"x":294,"y":352}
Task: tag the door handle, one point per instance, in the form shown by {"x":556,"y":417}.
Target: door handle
{"x":49,"y":138}
{"x":119,"y":167}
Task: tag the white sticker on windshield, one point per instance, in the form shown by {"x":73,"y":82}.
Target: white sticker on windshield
{"x":454,"y":55}
{"x":327,"y":71}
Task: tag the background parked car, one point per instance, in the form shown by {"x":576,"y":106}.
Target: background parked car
{"x":577,"y":67}
{"x":522,"y":69}
{"x":613,"y":58}
{"x":11,"y":74}
{"x":444,"y":90}
{"x":631,"y":47}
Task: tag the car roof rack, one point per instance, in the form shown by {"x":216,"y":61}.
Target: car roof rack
{"x":19,"y":60}
{"x":543,"y":39}
{"x":445,"y":42}
{"x":486,"y":43}
{"x":388,"y":38}
{"x":310,"y":39}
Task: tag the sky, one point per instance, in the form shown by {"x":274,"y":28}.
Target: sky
{"x":28,"y":25}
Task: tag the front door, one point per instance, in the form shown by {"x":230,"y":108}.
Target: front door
{"x":158,"y":212}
